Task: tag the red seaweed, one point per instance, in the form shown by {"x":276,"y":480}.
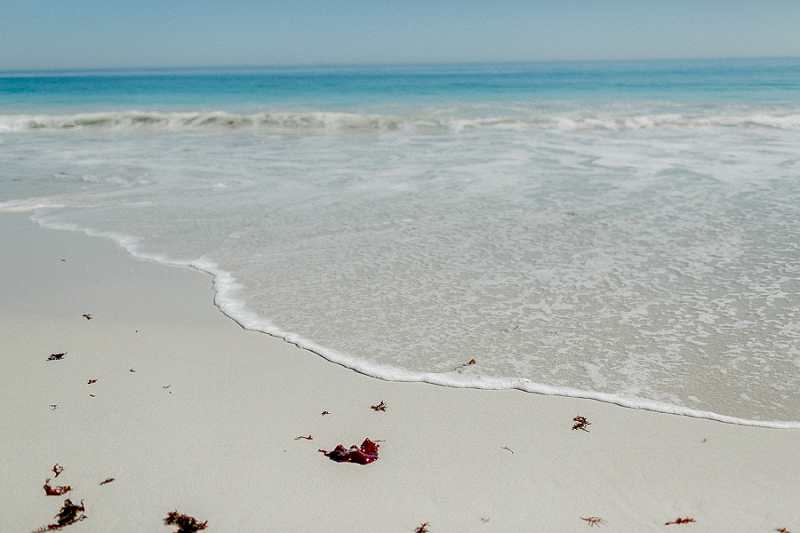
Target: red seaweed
{"x":364,"y":454}
{"x":55,"y":491}
{"x":679,"y":520}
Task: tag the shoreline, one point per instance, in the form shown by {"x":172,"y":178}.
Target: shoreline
{"x":226,"y":299}
{"x":207,"y":425}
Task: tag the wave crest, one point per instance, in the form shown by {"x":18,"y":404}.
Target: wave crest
{"x":333,"y":122}
{"x":188,"y":121}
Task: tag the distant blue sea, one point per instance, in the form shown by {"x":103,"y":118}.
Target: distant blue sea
{"x":340,"y":88}
{"x":624,"y":231}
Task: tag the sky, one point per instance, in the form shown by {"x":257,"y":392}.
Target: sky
{"x":109,"y":34}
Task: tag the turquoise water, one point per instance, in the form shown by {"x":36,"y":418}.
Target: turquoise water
{"x":242,"y":90}
{"x":625,"y":231}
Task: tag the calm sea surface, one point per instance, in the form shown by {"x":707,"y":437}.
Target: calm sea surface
{"x":622,"y":231}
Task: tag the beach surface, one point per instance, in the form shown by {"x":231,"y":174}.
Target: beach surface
{"x":190,"y":412}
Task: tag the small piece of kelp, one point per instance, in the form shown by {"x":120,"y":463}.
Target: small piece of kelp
{"x":581,"y":423}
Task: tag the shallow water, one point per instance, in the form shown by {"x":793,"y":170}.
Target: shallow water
{"x":632,"y":241}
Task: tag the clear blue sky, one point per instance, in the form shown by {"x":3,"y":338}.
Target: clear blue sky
{"x":79,"y":34}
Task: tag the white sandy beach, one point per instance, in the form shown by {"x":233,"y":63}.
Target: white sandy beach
{"x":191,"y":412}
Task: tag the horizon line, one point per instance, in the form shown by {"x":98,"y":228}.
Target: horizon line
{"x":345,"y":66}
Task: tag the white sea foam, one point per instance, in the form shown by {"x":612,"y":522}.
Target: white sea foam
{"x":322,"y":122}
{"x":645,"y":259}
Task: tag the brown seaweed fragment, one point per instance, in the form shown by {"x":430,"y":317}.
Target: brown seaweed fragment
{"x":57,"y":469}
{"x":594,"y":521}
{"x":380,"y":407}
{"x":423,"y":528}
{"x":68,"y":515}
{"x":185,"y":523}
{"x":581,"y":423}
{"x":106,"y":481}
{"x":304,"y":437}
{"x":471,"y":362}
{"x":92,"y":381}
{"x":56,"y":356}
{"x":87,"y":316}
{"x":325,"y":413}
{"x":507,"y":448}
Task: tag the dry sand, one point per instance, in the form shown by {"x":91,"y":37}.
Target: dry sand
{"x":206,"y":424}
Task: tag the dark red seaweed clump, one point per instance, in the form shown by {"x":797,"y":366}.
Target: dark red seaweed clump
{"x":68,"y":515}
{"x":185,"y":523}
{"x":364,"y":454}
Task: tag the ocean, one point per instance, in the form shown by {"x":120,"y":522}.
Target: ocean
{"x":623,"y":231}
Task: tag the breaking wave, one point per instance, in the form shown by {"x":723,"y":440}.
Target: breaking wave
{"x":343,"y":122}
